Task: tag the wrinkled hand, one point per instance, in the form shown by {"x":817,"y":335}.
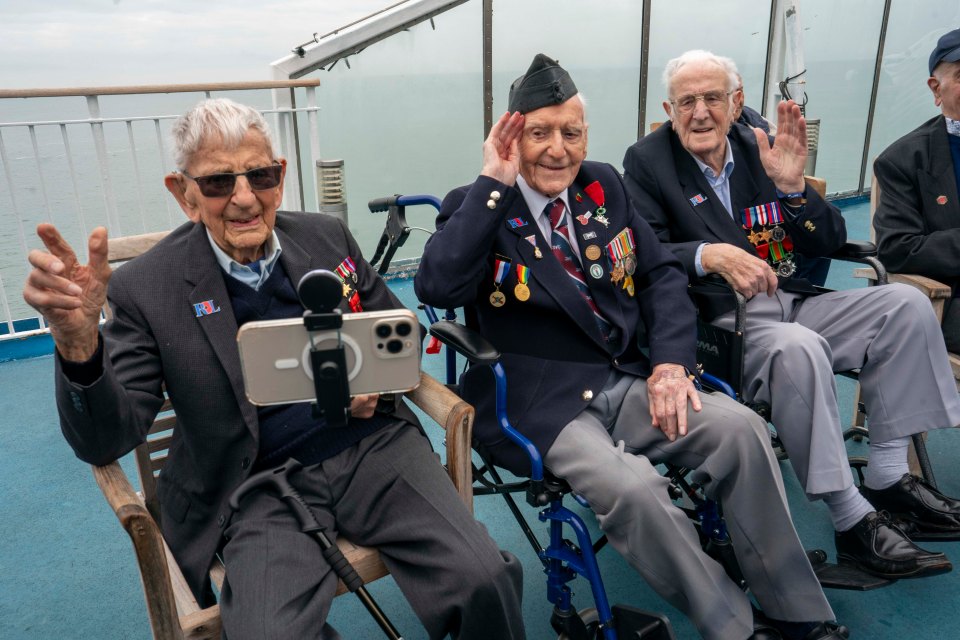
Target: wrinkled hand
{"x":501,"y":157}
{"x":668,"y":390}
{"x":363,"y":406}
{"x":785,"y":161}
{"x":745,"y":272}
{"x":68,"y":294}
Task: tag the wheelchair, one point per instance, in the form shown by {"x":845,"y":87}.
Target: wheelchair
{"x":563,"y":560}
{"x":721,"y":352}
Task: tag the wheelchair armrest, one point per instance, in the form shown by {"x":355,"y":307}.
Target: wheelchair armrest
{"x":855,"y":250}
{"x":464,"y":341}
{"x":863,"y":253}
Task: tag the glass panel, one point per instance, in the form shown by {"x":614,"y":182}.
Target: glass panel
{"x":598,"y":43}
{"x":407,"y":118}
{"x":840,"y":45}
{"x":903,"y":99}
{"x":676,"y":27}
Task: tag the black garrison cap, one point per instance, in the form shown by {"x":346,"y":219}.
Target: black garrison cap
{"x":544,"y":84}
{"x":948,"y":49}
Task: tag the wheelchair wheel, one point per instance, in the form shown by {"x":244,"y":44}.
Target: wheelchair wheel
{"x":591,"y":620}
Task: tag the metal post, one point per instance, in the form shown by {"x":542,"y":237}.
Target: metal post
{"x":487,"y":67}
{"x":644,"y":68}
{"x":99,"y":142}
{"x":873,"y":96}
{"x":296,"y":144}
{"x":766,"y":66}
{"x":314,"y":140}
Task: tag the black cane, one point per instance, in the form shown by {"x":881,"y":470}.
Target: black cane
{"x":276,"y":479}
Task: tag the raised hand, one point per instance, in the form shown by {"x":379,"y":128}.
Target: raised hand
{"x":745,"y":272}
{"x":70,"y":295}
{"x":785,"y":160}
{"x":501,"y":157}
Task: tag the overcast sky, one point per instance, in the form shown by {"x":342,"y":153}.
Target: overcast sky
{"x":70,"y":43}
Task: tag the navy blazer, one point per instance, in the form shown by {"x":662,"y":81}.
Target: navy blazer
{"x":664,"y":181}
{"x":156,"y":338}
{"x":551,"y":348}
{"x":915,"y":232}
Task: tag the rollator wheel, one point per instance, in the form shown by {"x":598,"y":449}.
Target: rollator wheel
{"x":591,"y":620}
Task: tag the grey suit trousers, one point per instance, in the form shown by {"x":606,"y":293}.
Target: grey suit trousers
{"x":608,"y":453}
{"x":795,"y":343}
{"x":389,"y":491}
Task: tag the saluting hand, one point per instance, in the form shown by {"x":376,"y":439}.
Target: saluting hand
{"x":785,"y":161}
{"x":668,"y":390}
{"x":501,"y":155}
{"x":70,"y":295}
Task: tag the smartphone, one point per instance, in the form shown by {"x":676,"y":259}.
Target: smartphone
{"x":382,"y":350}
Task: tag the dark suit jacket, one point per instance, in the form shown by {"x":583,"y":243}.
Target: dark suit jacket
{"x":915,"y":233}
{"x":156,"y":338}
{"x":662,"y":177}
{"x":552,"y":349}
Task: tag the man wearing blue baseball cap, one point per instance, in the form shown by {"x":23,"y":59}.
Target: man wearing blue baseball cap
{"x":918,"y":213}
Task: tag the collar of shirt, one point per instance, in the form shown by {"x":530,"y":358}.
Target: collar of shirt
{"x":953,"y":126}
{"x":720,"y":183}
{"x":244,"y":273}
{"x":537,"y":202}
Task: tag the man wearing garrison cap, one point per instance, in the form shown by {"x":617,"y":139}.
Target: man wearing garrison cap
{"x":918,"y":210}
{"x":559,"y":272}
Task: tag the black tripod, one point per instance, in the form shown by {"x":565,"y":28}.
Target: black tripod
{"x":320,"y":292}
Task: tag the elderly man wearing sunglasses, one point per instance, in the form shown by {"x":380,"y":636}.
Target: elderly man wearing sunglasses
{"x":176,"y":313}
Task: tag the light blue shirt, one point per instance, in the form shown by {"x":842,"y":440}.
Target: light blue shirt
{"x":721,"y":187}
{"x":537,"y":203}
{"x":953,"y":126}
{"x":244,"y":273}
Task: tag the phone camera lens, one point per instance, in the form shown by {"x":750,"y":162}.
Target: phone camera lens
{"x":402,"y":329}
{"x":384,"y":331}
{"x":394,"y":346}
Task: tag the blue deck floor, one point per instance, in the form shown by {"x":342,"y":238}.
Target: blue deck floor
{"x":67,"y":568}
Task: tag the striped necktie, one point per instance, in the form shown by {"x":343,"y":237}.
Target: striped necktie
{"x":559,"y":241}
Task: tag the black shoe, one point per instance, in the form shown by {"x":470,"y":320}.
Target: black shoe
{"x":879,"y":547}
{"x":913,"y":500}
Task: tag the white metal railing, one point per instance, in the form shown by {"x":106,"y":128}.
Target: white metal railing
{"x":52,"y":165}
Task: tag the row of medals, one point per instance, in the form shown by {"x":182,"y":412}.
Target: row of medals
{"x":784,"y":268}
{"x":623,"y":268}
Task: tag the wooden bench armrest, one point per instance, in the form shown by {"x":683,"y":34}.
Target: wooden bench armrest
{"x":167,"y":594}
{"x":148,"y":545}
{"x":456,"y":417}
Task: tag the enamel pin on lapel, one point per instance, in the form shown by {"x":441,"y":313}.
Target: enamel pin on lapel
{"x":941,"y":200}
{"x":205,"y":308}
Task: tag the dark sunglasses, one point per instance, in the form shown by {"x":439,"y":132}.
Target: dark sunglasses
{"x":219,"y":185}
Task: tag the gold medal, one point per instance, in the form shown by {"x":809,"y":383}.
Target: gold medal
{"x":616,"y":275}
{"x":755,"y":237}
{"x":522,"y":292}
{"x":497,"y":298}
{"x":537,"y":253}
{"x":346,"y":290}
{"x":592,"y":252}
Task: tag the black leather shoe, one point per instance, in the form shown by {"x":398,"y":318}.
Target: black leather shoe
{"x":913,"y":500}
{"x":879,"y":547}
{"x":828,"y":631}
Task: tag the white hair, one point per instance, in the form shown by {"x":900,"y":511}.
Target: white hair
{"x":583,"y":104}
{"x":215,"y":118}
{"x":700,"y":56}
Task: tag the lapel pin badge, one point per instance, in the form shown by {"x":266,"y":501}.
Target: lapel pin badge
{"x":698,"y":199}
{"x":205,"y":308}
{"x":941,"y":200}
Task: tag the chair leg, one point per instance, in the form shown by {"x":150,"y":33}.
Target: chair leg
{"x":919,"y":460}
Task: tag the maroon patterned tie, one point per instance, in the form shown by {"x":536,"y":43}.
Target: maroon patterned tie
{"x":559,"y":240}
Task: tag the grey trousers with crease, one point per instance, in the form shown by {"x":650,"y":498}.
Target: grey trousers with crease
{"x":608,"y":455}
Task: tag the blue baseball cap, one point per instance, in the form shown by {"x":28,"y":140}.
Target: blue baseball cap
{"x":947,"y":50}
